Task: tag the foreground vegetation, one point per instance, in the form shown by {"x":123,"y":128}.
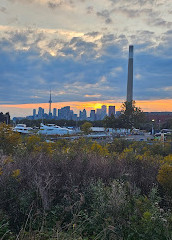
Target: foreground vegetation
{"x":82,"y":190}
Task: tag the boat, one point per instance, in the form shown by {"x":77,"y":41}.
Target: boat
{"x":52,"y":129}
{"x":21,"y":128}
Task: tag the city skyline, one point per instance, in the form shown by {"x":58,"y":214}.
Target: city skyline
{"x":68,"y":114}
{"x":52,"y":44}
{"x":27,"y":109}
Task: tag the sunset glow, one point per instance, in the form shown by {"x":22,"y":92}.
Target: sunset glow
{"x":162,"y":105}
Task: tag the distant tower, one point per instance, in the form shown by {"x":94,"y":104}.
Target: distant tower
{"x":111,"y":111}
{"x":34,"y":113}
{"x":40,"y":113}
{"x":103,"y":112}
{"x":50,"y":101}
{"x":84,"y":114}
{"x":130,"y":75}
{"x":54,"y":112}
{"x":93,"y":115}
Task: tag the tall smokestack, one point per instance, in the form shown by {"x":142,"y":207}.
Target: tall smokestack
{"x":130,"y":75}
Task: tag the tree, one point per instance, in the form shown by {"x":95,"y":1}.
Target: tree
{"x":131,"y":116}
{"x":168,"y":124}
{"x":110,"y":122}
{"x":5,"y":117}
{"x":9,"y":140}
{"x":86,"y":127}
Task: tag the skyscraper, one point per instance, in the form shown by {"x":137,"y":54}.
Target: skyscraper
{"x":40,"y":113}
{"x":93,"y":115}
{"x":83,"y":115}
{"x":104,"y":112}
{"x":111,"y":111}
{"x":34,"y":113}
{"x":130,"y":75}
{"x":54,"y":112}
{"x":64,"y":113}
{"x":71,"y":113}
{"x":98,"y":113}
{"x":101,"y":113}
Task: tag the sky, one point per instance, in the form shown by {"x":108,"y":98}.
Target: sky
{"x":78,"y":49}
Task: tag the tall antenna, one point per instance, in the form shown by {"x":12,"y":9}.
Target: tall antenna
{"x":50,"y":101}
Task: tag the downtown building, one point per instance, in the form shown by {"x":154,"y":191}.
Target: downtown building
{"x":111,"y":111}
{"x":101,"y":113}
{"x":83,"y":115}
{"x":92,"y":115}
{"x":40,"y":113}
{"x":54,"y":113}
{"x":64,"y":113}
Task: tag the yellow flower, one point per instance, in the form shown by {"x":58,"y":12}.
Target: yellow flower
{"x":16,"y":173}
{"x":147,"y":215}
{"x":8,"y":160}
{"x":74,"y":225}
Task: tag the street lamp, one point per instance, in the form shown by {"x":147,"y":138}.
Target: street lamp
{"x":153,"y":126}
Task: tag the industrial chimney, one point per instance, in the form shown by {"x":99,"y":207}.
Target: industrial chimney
{"x":130,"y":75}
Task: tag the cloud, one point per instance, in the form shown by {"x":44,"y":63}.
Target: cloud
{"x":3,"y":9}
{"x":90,"y":9}
{"x":93,"y":34}
{"x":108,"y":38}
{"x":83,"y":57}
{"x":115,"y":71}
{"x":169,"y":88}
{"x":25,"y":1}
{"x":160,"y":22}
{"x":129,"y":12}
{"x":105,"y":14}
{"x":92,"y":96}
{"x":53,"y":4}
{"x":26,"y":74}
{"x":138,"y":76}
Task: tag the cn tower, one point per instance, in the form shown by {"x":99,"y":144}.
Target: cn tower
{"x":130,"y":75}
{"x":50,"y":101}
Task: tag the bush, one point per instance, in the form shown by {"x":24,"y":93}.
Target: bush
{"x":165,"y":174}
{"x":84,"y":190}
{"x":9,"y":140}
